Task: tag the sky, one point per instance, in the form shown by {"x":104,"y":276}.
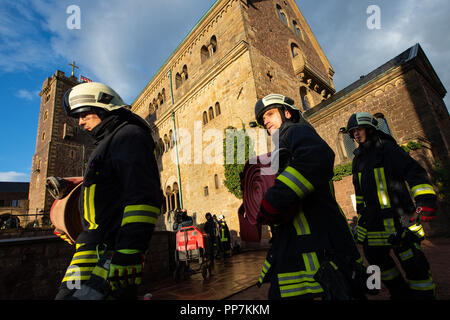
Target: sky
{"x":124,"y":43}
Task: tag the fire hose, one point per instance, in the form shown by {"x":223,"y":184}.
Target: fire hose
{"x":256,"y":178}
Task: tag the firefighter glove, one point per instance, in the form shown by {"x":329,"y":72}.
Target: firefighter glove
{"x":126,"y":269}
{"x":425,"y":214}
{"x":268,"y":214}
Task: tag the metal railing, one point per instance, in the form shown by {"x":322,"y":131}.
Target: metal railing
{"x":18,"y":218}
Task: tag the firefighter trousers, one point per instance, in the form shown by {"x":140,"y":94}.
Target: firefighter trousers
{"x":415,"y":265}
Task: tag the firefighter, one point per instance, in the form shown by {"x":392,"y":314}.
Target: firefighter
{"x":380,"y":169}
{"x":224,"y":238}
{"x":212,"y":232}
{"x":120,"y":200}
{"x":313,"y":253}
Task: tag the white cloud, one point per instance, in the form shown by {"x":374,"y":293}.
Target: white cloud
{"x":354,"y":50}
{"x":27,"y":94}
{"x":13,"y":176}
{"x":121,"y":43}
{"x":22,"y":44}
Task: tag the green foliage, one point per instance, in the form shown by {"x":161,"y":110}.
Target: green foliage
{"x":342,"y":170}
{"x":441,"y":178}
{"x":239,"y":150}
{"x":412,"y":145}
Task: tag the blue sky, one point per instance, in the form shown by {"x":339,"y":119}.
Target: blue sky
{"x":121,"y":43}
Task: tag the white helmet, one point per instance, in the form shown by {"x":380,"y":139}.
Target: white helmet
{"x":86,"y":96}
{"x":221,"y":217}
{"x":359,"y":119}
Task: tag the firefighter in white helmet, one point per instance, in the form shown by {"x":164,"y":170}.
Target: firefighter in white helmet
{"x":313,"y":254}
{"x":121,"y":196}
{"x":380,"y":169}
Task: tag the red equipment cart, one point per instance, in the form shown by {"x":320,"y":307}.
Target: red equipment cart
{"x":191,"y":247}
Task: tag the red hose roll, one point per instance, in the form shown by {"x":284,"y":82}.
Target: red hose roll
{"x":257,"y":178}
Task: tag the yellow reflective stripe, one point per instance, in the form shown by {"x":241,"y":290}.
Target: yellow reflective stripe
{"x":362,"y":233}
{"x":332,"y":189}
{"x":100,"y":272}
{"x":311,"y":261}
{"x":422,"y":189}
{"x":128,"y":251}
{"x":142,"y":207}
{"x":295,"y":277}
{"x":405,"y":255}
{"x":296,"y":181}
{"x":265,"y":268}
{"x":359,"y":179}
{"x":417,"y":228}
{"x":89,"y":206}
{"x":299,"y":289}
{"x":423,"y":285}
{"x":360,"y":199}
{"x":390,"y":274}
{"x":140,"y":214}
{"x":77,"y":273}
{"x":382,"y":190}
{"x":301,"y":224}
{"x":389,"y":225}
{"x":76,"y":277}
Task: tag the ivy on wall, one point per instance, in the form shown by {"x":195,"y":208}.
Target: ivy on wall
{"x":237,"y":149}
{"x":412,"y":145}
{"x":341,"y":171}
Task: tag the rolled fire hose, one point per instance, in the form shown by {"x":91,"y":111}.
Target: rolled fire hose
{"x":64,"y":213}
{"x":256,"y":179}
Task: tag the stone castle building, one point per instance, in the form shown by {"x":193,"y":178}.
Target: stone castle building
{"x":61,"y":147}
{"x":239,"y":52}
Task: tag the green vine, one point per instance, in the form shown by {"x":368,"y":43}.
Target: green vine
{"x":235,"y":157}
{"x":412,"y":145}
{"x":441,"y":178}
{"x":342,"y":170}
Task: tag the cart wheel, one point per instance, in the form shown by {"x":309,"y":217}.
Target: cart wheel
{"x":204,"y":272}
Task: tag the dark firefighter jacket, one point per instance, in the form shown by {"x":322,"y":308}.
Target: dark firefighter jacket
{"x":224,"y":232}
{"x":380,"y":169}
{"x":319,"y":229}
{"x":121,"y":196}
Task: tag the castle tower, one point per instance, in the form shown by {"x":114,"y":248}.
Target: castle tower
{"x":59,"y":144}
{"x":239,"y":51}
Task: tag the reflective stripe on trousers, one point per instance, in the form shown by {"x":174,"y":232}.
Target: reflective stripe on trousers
{"x":302,"y":282}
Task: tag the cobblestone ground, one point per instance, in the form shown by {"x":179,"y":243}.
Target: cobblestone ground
{"x":437,"y":250}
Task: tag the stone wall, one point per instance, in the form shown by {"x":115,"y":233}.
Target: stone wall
{"x":33,"y":265}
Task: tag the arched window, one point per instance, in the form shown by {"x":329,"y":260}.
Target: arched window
{"x":297,"y":30}
{"x":171,"y":141}
{"x":155,"y":104}
{"x":163,"y":95}
{"x":160,"y":148}
{"x":346,"y":145}
{"x":160,"y":99}
{"x":282,"y":15}
{"x":178,"y":81}
{"x":166,"y":143}
{"x":305,"y":100}
{"x":176,"y":195}
{"x":295,"y":50}
{"x":217,"y":107}
{"x":204,"y":54}
{"x":185,"y":71}
{"x":382,"y":123}
{"x":211,"y":113}
{"x":216,"y":181}
{"x":205,"y":117}
{"x":214,"y":44}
